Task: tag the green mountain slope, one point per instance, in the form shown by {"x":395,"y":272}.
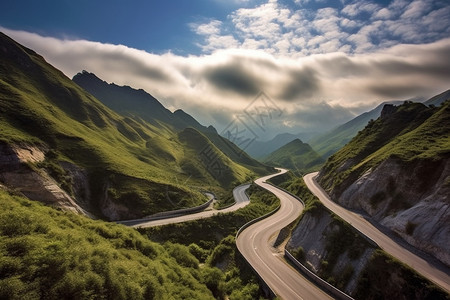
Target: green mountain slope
{"x":330,"y":142}
{"x":118,"y":167}
{"x":297,"y":156}
{"x":140,"y":104}
{"x":260,"y":149}
{"x":397,"y":170}
{"x":407,"y":132}
{"x":49,"y":254}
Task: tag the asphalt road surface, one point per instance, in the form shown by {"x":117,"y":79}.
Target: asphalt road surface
{"x":254,"y":244}
{"x":439,"y":274}
{"x":239,"y":196}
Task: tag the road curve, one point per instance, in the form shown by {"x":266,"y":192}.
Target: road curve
{"x":254,"y":245}
{"x":438,"y":275}
{"x":239,"y":195}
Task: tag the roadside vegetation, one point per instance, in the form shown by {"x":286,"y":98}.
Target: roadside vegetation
{"x":212,"y":242}
{"x":51,"y":254}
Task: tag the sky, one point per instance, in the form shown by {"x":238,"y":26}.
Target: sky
{"x":311,"y":64}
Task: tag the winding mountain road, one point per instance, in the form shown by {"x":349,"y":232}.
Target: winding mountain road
{"x":437,"y":274}
{"x":253,"y":243}
{"x":239,"y":195}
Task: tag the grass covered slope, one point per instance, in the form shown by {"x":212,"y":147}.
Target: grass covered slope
{"x":330,"y":142}
{"x":139,"y":104}
{"x":48,"y":254}
{"x":295,"y":155}
{"x":124,"y":167}
{"x":409,"y":132}
{"x":397,"y":170}
{"x":40,"y":105}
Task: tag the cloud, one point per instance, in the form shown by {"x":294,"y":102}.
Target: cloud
{"x":314,"y":92}
{"x":346,"y":26}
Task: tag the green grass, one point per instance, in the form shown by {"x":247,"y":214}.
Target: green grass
{"x":412,"y":133}
{"x":48,"y":254}
{"x":296,"y":156}
{"x":212,"y":242}
{"x":41,"y":106}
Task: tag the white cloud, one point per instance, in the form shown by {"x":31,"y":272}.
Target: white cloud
{"x":213,"y":27}
{"x":314,"y":91}
{"x":358,"y":27}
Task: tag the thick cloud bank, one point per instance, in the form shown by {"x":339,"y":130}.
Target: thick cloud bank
{"x":314,"y":92}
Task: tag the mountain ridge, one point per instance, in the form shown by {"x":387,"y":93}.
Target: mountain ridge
{"x":331,"y":141}
{"x":397,"y":170}
{"x":117,"y":167}
{"x":122,"y":100}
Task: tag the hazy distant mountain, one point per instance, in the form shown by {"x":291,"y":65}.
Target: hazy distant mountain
{"x":330,"y":142}
{"x":260,"y":149}
{"x":296,"y":156}
{"x":438,"y":99}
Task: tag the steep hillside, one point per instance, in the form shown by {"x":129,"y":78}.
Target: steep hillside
{"x":58,"y":139}
{"x":131,"y":102}
{"x":140,"y":104}
{"x":49,"y":254}
{"x":330,"y":142}
{"x":398,"y":171}
{"x":296,"y":156}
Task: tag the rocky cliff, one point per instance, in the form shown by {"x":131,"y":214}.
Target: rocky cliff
{"x":410,"y":198}
{"x":17,"y":172}
{"x":333,"y":250}
{"x":321,"y":238}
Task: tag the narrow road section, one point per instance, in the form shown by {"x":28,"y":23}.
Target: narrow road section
{"x":240,"y":197}
{"x":253,"y":243}
{"x":437,"y":274}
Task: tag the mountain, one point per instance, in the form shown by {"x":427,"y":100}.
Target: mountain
{"x":397,"y":170}
{"x":139,"y":104}
{"x":295,"y":155}
{"x":62,"y":146}
{"x":330,"y":142}
{"x":260,"y":149}
{"x":438,"y":99}
{"x":135,"y":103}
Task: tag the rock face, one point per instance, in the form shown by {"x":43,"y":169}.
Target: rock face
{"x":410,"y":198}
{"x":314,"y":233}
{"x":34,"y":183}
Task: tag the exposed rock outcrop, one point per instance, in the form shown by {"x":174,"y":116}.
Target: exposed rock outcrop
{"x":315,"y":233}
{"x":34,"y":183}
{"x":410,"y":198}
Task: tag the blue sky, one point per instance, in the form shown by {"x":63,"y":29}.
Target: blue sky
{"x":321,"y":61}
{"x":154,"y":26}
{"x":161,"y":26}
